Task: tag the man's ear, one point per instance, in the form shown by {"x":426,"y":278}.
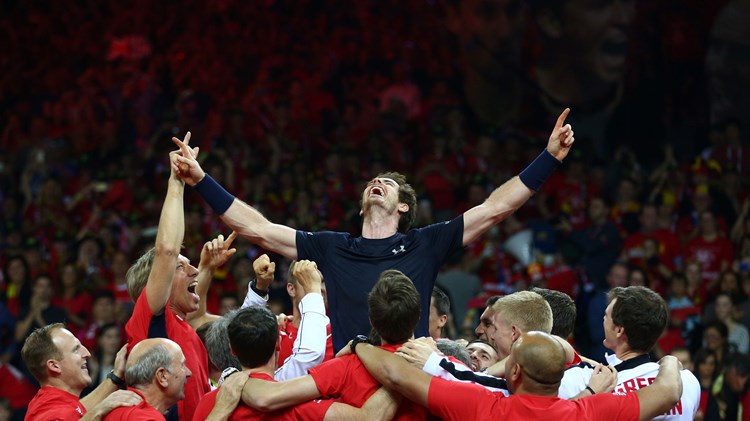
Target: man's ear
{"x":443,"y":320}
{"x":290,"y":290}
{"x":161,"y":377}
{"x":53,"y":366}
{"x":549,"y":23}
{"x":403,"y":208}
{"x":515,"y":373}
{"x":515,"y":332}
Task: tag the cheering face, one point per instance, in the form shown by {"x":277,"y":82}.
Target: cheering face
{"x":73,"y":367}
{"x":184,"y":281}
{"x":381,"y":192}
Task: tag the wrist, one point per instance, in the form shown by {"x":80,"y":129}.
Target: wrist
{"x":590,"y":390}
{"x":117,"y":380}
{"x":356,"y":341}
{"x":259,"y":291}
{"x":214,"y":194}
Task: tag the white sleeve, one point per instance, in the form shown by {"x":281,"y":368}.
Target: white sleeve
{"x":433,"y":368}
{"x":253,"y":299}
{"x":309,"y":347}
{"x":574,"y":381}
{"x":691,"y":393}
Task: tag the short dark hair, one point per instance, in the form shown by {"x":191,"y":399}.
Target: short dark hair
{"x":563,"y":311}
{"x":642,"y":313}
{"x":394,"y":306}
{"x":406,"y":194}
{"x":740,"y":362}
{"x":442,"y":302}
{"x":253,"y":333}
{"x":38,"y":348}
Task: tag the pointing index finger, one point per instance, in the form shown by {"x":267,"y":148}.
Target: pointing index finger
{"x":561,"y":119}
{"x":230,"y":239}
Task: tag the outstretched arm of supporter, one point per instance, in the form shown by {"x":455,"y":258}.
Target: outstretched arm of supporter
{"x":395,"y":373}
{"x":168,"y":240}
{"x":270,"y":396}
{"x":214,"y":254}
{"x":310,"y":345}
{"x":240,"y":216}
{"x":510,"y":196}
{"x":381,"y":405}
{"x":664,"y":393}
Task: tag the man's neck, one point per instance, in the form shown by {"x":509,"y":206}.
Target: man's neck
{"x":626,"y":354}
{"x":154,"y":397}
{"x":378,"y":224}
{"x":59,"y":384}
{"x":177,"y":312}
{"x":269,"y":368}
{"x":296,"y":316}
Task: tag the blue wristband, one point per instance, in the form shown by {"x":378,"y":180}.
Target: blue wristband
{"x":537,"y":172}
{"x":219,"y":199}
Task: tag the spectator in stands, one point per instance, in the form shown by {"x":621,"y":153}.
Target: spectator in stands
{"x":440,"y":310}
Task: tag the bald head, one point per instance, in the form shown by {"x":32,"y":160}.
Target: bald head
{"x":147,"y":356}
{"x":541,"y":360}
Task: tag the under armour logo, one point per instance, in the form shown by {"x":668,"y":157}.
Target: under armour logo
{"x":401,"y":250}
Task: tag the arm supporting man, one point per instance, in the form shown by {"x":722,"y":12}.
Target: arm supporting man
{"x":394,"y":373}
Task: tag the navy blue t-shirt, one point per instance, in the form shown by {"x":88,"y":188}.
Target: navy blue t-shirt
{"x":351,"y":267}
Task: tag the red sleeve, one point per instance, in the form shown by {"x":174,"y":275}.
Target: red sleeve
{"x":611,"y":406}
{"x":332,"y":376}
{"x":205,"y":406}
{"x":451,"y":400}
{"x":137,"y":325}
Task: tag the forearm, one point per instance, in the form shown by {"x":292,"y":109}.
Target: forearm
{"x":381,"y":405}
{"x":256,"y":228}
{"x":395,"y":373}
{"x":501,"y":203}
{"x":91,"y":400}
{"x":310,"y":345}
{"x":269,"y":396}
{"x":23,"y":326}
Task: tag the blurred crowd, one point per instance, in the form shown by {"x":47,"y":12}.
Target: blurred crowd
{"x":295,"y":104}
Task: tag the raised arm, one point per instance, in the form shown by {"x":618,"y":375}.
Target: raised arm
{"x":395,"y":373}
{"x":168,"y":239}
{"x":241,"y":217}
{"x":310,"y":345}
{"x":507,"y":198}
{"x":214,"y":254}
{"x":664,"y":393}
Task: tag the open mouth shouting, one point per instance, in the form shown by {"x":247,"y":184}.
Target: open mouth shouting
{"x":191,"y":289}
{"x":377,"y":191}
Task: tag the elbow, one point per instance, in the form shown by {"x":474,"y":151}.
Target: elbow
{"x":167,"y":249}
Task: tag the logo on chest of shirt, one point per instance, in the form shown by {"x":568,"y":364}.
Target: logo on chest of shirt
{"x":397,"y":251}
